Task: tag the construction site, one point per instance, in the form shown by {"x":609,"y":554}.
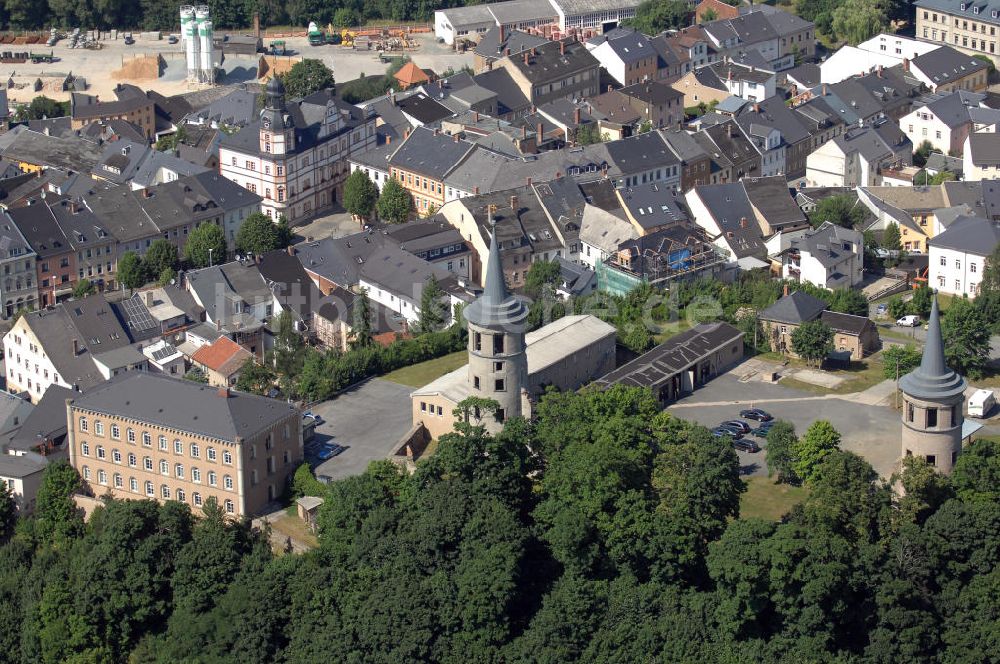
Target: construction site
{"x":55,"y":63}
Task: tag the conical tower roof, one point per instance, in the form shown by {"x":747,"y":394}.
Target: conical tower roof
{"x":496,"y":308}
{"x":933,"y":380}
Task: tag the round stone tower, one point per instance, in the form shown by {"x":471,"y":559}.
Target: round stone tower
{"x":933,"y":397}
{"x":498,"y":366}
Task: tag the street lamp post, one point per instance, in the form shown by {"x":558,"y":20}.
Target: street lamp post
{"x":210,"y":257}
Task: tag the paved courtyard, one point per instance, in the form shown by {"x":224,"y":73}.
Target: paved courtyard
{"x":368,"y":420}
{"x":871,"y":431}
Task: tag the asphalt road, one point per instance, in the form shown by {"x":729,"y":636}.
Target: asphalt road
{"x":871,"y":431}
{"x":368,"y":420}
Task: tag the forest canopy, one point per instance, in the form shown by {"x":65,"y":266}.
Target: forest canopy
{"x":604,"y":531}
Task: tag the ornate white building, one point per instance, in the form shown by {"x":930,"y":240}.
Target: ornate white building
{"x":295,"y":155}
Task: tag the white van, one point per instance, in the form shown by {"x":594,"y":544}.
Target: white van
{"x":908,"y":321}
{"x":981,"y":402}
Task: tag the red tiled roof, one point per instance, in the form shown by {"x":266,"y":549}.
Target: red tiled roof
{"x":223,"y":356}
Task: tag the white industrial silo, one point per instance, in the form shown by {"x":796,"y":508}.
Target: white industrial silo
{"x":189,"y":34}
{"x":204,"y":38}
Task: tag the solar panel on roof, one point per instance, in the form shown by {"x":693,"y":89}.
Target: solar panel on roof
{"x":138,"y":315}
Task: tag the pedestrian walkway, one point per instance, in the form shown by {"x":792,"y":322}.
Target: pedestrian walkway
{"x":880,"y":394}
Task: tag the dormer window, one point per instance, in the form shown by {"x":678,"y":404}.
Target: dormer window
{"x":962,"y":6}
{"x":975,"y":10}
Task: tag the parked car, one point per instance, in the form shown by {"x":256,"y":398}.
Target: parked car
{"x":730,"y":430}
{"x":720,"y":432}
{"x":746,"y":445}
{"x":762,"y":430}
{"x":329,"y":450}
{"x":909,"y":321}
{"x":172,"y":39}
{"x":756,"y":414}
{"x":313,"y":416}
{"x":739,"y":424}
{"x":882,"y":309}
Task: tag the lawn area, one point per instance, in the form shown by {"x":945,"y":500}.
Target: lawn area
{"x":857,"y":378}
{"x":290,"y":525}
{"x":418,"y":375}
{"x":766,"y":500}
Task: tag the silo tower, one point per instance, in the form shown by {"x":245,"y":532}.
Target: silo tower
{"x":189,"y":34}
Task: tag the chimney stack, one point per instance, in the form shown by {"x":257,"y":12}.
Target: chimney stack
{"x":76,"y":347}
{"x":539,"y":133}
{"x":825,"y":90}
{"x":524,"y":132}
{"x":223,"y":392}
{"x":148,"y":297}
{"x":501,"y":33}
{"x":786,"y":290}
{"x":455,"y":137}
{"x":880,"y":71}
{"x":743,"y":222}
{"x":527,"y":180}
{"x":562,"y":47}
{"x":513,"y":203}
{"x":729,"y":129}
{"x":576,"y":116}
{"x":506,"y":51}
{"x":906,"y":64}
{"x":218,"y":325}
{"x":610,"y":87}
{"x":756,"y":107}
{"x":475,"y":190}
{"x":525,"y":57}
{"x":291,"y":250}
{"x":475,"y":117}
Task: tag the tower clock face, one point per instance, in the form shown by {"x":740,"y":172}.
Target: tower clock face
{"x":267,"y":123}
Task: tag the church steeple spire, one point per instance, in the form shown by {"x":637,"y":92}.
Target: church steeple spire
{"x":496,"y":307}
{"x":933,"y":379}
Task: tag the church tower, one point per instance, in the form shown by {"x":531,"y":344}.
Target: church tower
{"x":275,"y":137}
{"x":498,"y":365}
{"x":933,"y":397}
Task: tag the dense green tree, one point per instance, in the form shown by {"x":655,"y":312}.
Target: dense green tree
{"x":361,"y":320}
{"x":160,"y":256}
{"x":131,"y":271}
{"x":288,"y":353}
{"x":654,"y":16}
{"x":42,"y":107}
{"x":541,"y":275}
{"x":976,"y":476}
{"x":57,"y":516}
{"x":255,"y":378}
{"x":360,"y":195}
{"x":206,"y":246}
{"x":924,"y":490}
{"x":394,"y":203}
{"x":898,"y":360}
{"x":8,"y":512}
{"x":432,"y":309}
{"x":739,"y":566}
{"x":306,"y":77}
{"x":257,"y":235}
{"x":781,"y":444}
{"x":812,"y":341}
{"x":819,"y":440}
{"x":922,"y":152}
{"x":896,"y":308}
{"x":196,"y":375}
{"x":966,"y":334}
{"x":842,"y":210}
{"x":859,"y":20}
{"x":588,"y":134}
{"x":890,"y":237}
{"x":708,"y":16}
{"x":920,"y":303}
{"x":83,"y":288}
{"x":849,"y":301}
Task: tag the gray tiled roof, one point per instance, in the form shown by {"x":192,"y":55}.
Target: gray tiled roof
{"x":944,"y":65}
{"x":796,"y":308}
{"x":430,"y":153}
{"x":185,"y":405}
{"x":984,"y":148}
{"x":677,"y":353}
{"x":973,"y":235}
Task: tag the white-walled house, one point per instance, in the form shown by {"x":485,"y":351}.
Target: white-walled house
{"x":981,"y":157}
{"x":946,"y":120}
{"x":829,"y":257}
{"x":957,"y":257}
{"x":396,"y":279}
{"x":856,"y":157}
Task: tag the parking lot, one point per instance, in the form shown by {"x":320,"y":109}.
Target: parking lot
{"x":871,"y":431}
{"x":368,"y":420}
